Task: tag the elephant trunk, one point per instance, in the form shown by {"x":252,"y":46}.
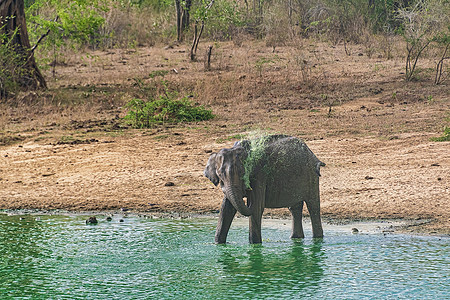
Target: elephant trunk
{"x":234,"y":195}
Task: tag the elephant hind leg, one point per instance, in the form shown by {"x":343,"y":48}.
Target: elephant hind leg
{"x":313,"y":205}
{"x":297,"y":226}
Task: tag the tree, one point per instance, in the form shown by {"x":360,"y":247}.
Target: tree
{"x":183,"y":8}
{"x":14,"y":39}
{"x":424,"y":23}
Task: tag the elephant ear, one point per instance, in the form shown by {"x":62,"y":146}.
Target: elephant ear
{"x":210,"y":170}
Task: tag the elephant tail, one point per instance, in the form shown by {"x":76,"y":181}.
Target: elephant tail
{"x":318,"y":165}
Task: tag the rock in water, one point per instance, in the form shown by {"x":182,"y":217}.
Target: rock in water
{"x":91,"y":221}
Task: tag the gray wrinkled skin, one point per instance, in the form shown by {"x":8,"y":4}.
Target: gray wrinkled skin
{"x":272,"y":172}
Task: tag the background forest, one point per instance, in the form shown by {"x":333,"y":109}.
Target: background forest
{"x":58,"y":27}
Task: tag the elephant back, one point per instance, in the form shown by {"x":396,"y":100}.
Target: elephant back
{"x":276,"y":155}
{"x":292,"y":155}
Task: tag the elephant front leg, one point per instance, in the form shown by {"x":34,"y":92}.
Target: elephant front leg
{"x":297,"y":226}
{"x":227,"y":212}
{"x":256,"y":203}
{"x":255,"y":228}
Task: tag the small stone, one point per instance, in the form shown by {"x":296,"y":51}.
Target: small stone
{"x":355,"y":230}
{"x":368,"y":177}
{"x":108,"y":219}
{"x":169,"y":183}
{"x":121,"y":220}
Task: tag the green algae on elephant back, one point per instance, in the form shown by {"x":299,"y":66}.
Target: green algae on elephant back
{"x":257,"y":148}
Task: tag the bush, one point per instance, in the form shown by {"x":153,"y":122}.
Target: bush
{"x":78,"y":21}
{"x":337,"y":20}
{"x":10,"y":62}
{"x":422,"y":24}
{"x":98,"y":23}
{"x":222,"y":20}
{"x":146,"y":114}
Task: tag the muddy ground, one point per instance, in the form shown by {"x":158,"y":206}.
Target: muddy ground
{"x":356,"y":113}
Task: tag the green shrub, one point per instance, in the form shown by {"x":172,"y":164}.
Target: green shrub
{"x":222,"y":20}
{"x":79,"y":21}
{"x":11,"y":63}
{"x":445,"y":137}
{"x":166,"y":109}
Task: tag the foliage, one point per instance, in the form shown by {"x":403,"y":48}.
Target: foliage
{"x":445,"y":136}
{"x":422,"y":23}
{"x":381,"y":14}
{"x":154,"y":4}
{"x":10,"y":62}
{"x":222,"y":18}
{"x":79,"y":21}
{"x":442,"y":40}
{"x":165,"y":109}
{"x":255,"y":156}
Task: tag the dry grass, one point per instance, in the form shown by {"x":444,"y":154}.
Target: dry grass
{"x":307,"y":76}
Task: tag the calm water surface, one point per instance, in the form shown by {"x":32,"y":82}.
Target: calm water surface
{"x":60,"y":257}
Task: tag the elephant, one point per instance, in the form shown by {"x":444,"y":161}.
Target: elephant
{"x":272,"y":171}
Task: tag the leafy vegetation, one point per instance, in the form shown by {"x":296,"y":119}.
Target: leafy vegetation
{"x":11,"y":63}
{"x":79,"y":22}
{"x":165,"y":109}
{"x":254,"y":157}
{"x":423,"y":23}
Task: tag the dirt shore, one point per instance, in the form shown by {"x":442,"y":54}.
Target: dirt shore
{"x":380,"y":160}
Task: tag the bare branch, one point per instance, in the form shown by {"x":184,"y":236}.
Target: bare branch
{"x":42,"y":37}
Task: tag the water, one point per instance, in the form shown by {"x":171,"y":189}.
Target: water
{"x":60,"y":257}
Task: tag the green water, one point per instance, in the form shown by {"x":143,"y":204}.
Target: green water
{"x":60,"y":257}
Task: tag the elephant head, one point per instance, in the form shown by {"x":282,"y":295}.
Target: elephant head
{"x":227,"y":168}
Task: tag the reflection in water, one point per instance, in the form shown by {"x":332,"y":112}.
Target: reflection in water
{"x":266,"y":271}
{"x":20,"y":251}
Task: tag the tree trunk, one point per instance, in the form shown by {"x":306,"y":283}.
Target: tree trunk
{"x":13,"y":29}
{"x":183,"y":17}
{"x":179,"y":10}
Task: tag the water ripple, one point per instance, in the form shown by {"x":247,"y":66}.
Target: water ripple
{"x":59,"y":257}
